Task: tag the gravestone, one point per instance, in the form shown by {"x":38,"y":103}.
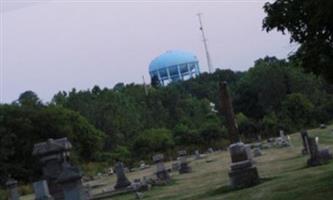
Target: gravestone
{"x":197,"y":155}
{"x":257,"y":152}
{"x":304,"y":136}
{"x":52,"y":154}
{"x":317,"y":157}
{"x":210,"y":150}
{"x":70,"y":180}
{"x":11,"y":185}
{"x":175,"y":166}
{"x":42,"y":191}
{"x":161,"y":173}
{"x":184,"y":166}
{"x":122,"y":180}
{"x":242,"y":172}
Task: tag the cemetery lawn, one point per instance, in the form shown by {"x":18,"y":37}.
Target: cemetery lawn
{"x":283,"y":173}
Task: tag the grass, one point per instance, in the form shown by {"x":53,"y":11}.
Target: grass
{"x":283,"y":172}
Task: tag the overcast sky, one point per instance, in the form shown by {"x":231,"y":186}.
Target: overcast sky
{"x":53,"y":45}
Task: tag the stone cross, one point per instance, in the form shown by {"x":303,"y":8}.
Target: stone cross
{"x":12,"y":189}
{"x":228,"y":111}
{"x":122,"y":181}
{"x":243,"y":173}
{"x":41,"y":190}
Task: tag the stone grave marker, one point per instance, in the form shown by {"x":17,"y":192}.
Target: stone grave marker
{"x":257,"y":152}
{"x":317,"y":156}
{"x":41,"y":191}
{"x":197,"y":155}
{"x":122,"y":180}
{"x":70,"y":180}
{"x":184,"y":166}
{"x":304,"y":136}
{"x":161,"y":172}
{"x":52,"y":155}
{"x":242,"y":172}
{"x":11,"y":185}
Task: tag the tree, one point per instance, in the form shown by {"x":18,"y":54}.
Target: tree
{"x":153,"y":140}
{"x":309,"y":23}
{"x":29,"y":98}
{"x":296,"y":112}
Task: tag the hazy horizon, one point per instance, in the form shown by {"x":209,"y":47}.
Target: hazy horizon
{"x":49,"y":46}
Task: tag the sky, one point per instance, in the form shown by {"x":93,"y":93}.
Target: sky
{"x":54,"y":45}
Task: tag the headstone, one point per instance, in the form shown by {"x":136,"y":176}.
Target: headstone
{"x":161,"y":173}
{"x":210,"y":150}
{"x":122,"y":181}
{"x":304,"y":136}
{"x":175,"y":166}
{"x":197,"y":155}
{"x":282,"y":141}
{"x":42,"y":191}
{"x":70,"y":180}
{"x":52,"y":154}
{"x":11,"y":185}
{"x":242,"y":172}
{"x":317,"y":157}
{"x":184,"y":166}
{"x":322,"y":126}
{"x":257,"y":152}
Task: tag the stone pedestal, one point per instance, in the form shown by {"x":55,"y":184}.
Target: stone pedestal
{"x":70,"y":180}
{"x":12,"y":189}
{"x":122,"y":181}
{"x":242,"y":171}
{"x":42,"y":191}
{"x":161,"y":173}
{"x":52,"y":154}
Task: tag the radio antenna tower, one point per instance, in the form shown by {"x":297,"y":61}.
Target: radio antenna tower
{"x":204,"y":39}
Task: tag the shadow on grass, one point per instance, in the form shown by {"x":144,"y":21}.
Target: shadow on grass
{"x":225,"y":189}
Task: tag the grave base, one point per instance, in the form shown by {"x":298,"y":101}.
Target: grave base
{"x":184,"y":168}
{"x":245,"y":177}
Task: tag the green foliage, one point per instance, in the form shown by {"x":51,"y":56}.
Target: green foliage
{"x":22,"y":127}
{"x":125,"y":123}
{"x":153,"y":140}
{"x":309,"y":24}
{"x":297,"y":111}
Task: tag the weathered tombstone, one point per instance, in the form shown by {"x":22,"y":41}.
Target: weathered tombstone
{"x":243,"y":173}
{"x":42,"y":191}
{"x":257,"y":152}
{"x":161,"y":173}
{"x":210,"y":150}
{"x":197,"y":155}
{"x":11,"y":185}
{"x":317,"y":157}
{"x":70,"y":180}
{"x":52,"y":154}
{"x":122,"y":181}
{"x":175,"y":166}
{"x":184,"y":166}
{"x":304,"y":136}
{"x":322,"y":126}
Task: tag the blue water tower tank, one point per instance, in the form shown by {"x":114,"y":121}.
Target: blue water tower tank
{"x":174,"y":65}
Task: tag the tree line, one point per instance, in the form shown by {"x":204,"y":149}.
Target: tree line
{"x":126,"y":123}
